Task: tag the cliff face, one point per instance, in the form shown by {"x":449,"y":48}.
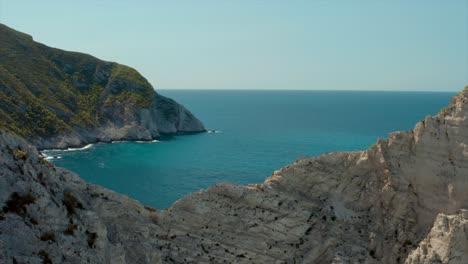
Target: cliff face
{"x":59,"y":99}
{"x":403,"y":200}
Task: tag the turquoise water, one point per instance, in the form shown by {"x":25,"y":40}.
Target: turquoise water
{"x":259,"y":132}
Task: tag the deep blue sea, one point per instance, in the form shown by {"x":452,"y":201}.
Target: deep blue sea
{"x":259,"y":132}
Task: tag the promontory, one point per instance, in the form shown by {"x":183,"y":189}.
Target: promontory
{"x":59,"y":99}
{"x":402,"y":200}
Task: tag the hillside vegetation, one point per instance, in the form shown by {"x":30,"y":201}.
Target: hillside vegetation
{"x":47,"y":92}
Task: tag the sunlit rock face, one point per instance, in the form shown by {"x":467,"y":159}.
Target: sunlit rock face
{"x":446,"y":242}
{"x":403,"y":200}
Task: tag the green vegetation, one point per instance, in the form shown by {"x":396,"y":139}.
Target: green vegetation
{"x":443,"y":111}
{"x":17,"y":203}
{"x":71,"y":203}
{"x":20,"y":155}
{"x":129,"y":98}
{"x":127,"y":73}
{"x":87,"y":107}
{"x":45,"y":92}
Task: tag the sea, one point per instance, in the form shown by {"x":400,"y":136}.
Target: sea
{"x":251,"y":134}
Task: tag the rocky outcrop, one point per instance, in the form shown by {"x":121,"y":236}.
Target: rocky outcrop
{"x":446,"y":243}
{"x":164,"y":116}
{"x":403,"y":200}
{"x":60,"y":99}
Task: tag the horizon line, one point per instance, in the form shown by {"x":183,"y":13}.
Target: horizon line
{"x":303,"y":90}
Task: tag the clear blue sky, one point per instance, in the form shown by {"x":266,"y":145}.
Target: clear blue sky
{"x":312,"y":44}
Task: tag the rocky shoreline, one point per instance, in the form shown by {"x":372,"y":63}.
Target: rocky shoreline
{"x":403,"y":200}
{"x":85,"y":144}
{"x":183,"y":122}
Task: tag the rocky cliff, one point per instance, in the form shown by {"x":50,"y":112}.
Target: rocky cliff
{"x":403,"y":200}
{"x":59,"y":99}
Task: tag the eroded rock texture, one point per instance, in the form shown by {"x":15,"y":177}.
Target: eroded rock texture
{"x":400,"y":201}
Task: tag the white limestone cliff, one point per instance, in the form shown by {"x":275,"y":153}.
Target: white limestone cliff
{"x":446,"y":243}
{"x":403,"y":200}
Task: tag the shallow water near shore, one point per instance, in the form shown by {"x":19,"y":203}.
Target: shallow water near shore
{"x":253,"y":134}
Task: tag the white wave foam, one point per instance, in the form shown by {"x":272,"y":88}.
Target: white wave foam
{"x":213,"y":131}
{"x":119,"y":141}
{"x":68,"y":149}
{"x":51,"y":157}
{"x":146,"y":142}
{"x":83,"y":148}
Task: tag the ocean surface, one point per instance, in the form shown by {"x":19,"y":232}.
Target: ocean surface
{"x":256,"y":132}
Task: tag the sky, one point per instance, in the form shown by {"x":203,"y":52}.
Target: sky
{"x":418,"y":45}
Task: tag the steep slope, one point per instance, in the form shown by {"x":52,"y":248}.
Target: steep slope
{"x":403,"y":200}
{"x":58,"y":99}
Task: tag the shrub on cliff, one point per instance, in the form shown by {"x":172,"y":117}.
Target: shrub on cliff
{"x":46,"y":92}
{"x":17,"y":203}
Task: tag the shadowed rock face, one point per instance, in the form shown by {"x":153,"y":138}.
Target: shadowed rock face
{"x":59,"y":99}
{"x":403,"y":200}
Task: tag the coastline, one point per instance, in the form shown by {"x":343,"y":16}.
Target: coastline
{"x":374,"y":206}
{"x":44,"y":152}
{"x":84,"y":144}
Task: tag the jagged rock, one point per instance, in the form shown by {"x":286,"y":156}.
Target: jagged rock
{"x":446,"y":243}
{"x":403,"y":200}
